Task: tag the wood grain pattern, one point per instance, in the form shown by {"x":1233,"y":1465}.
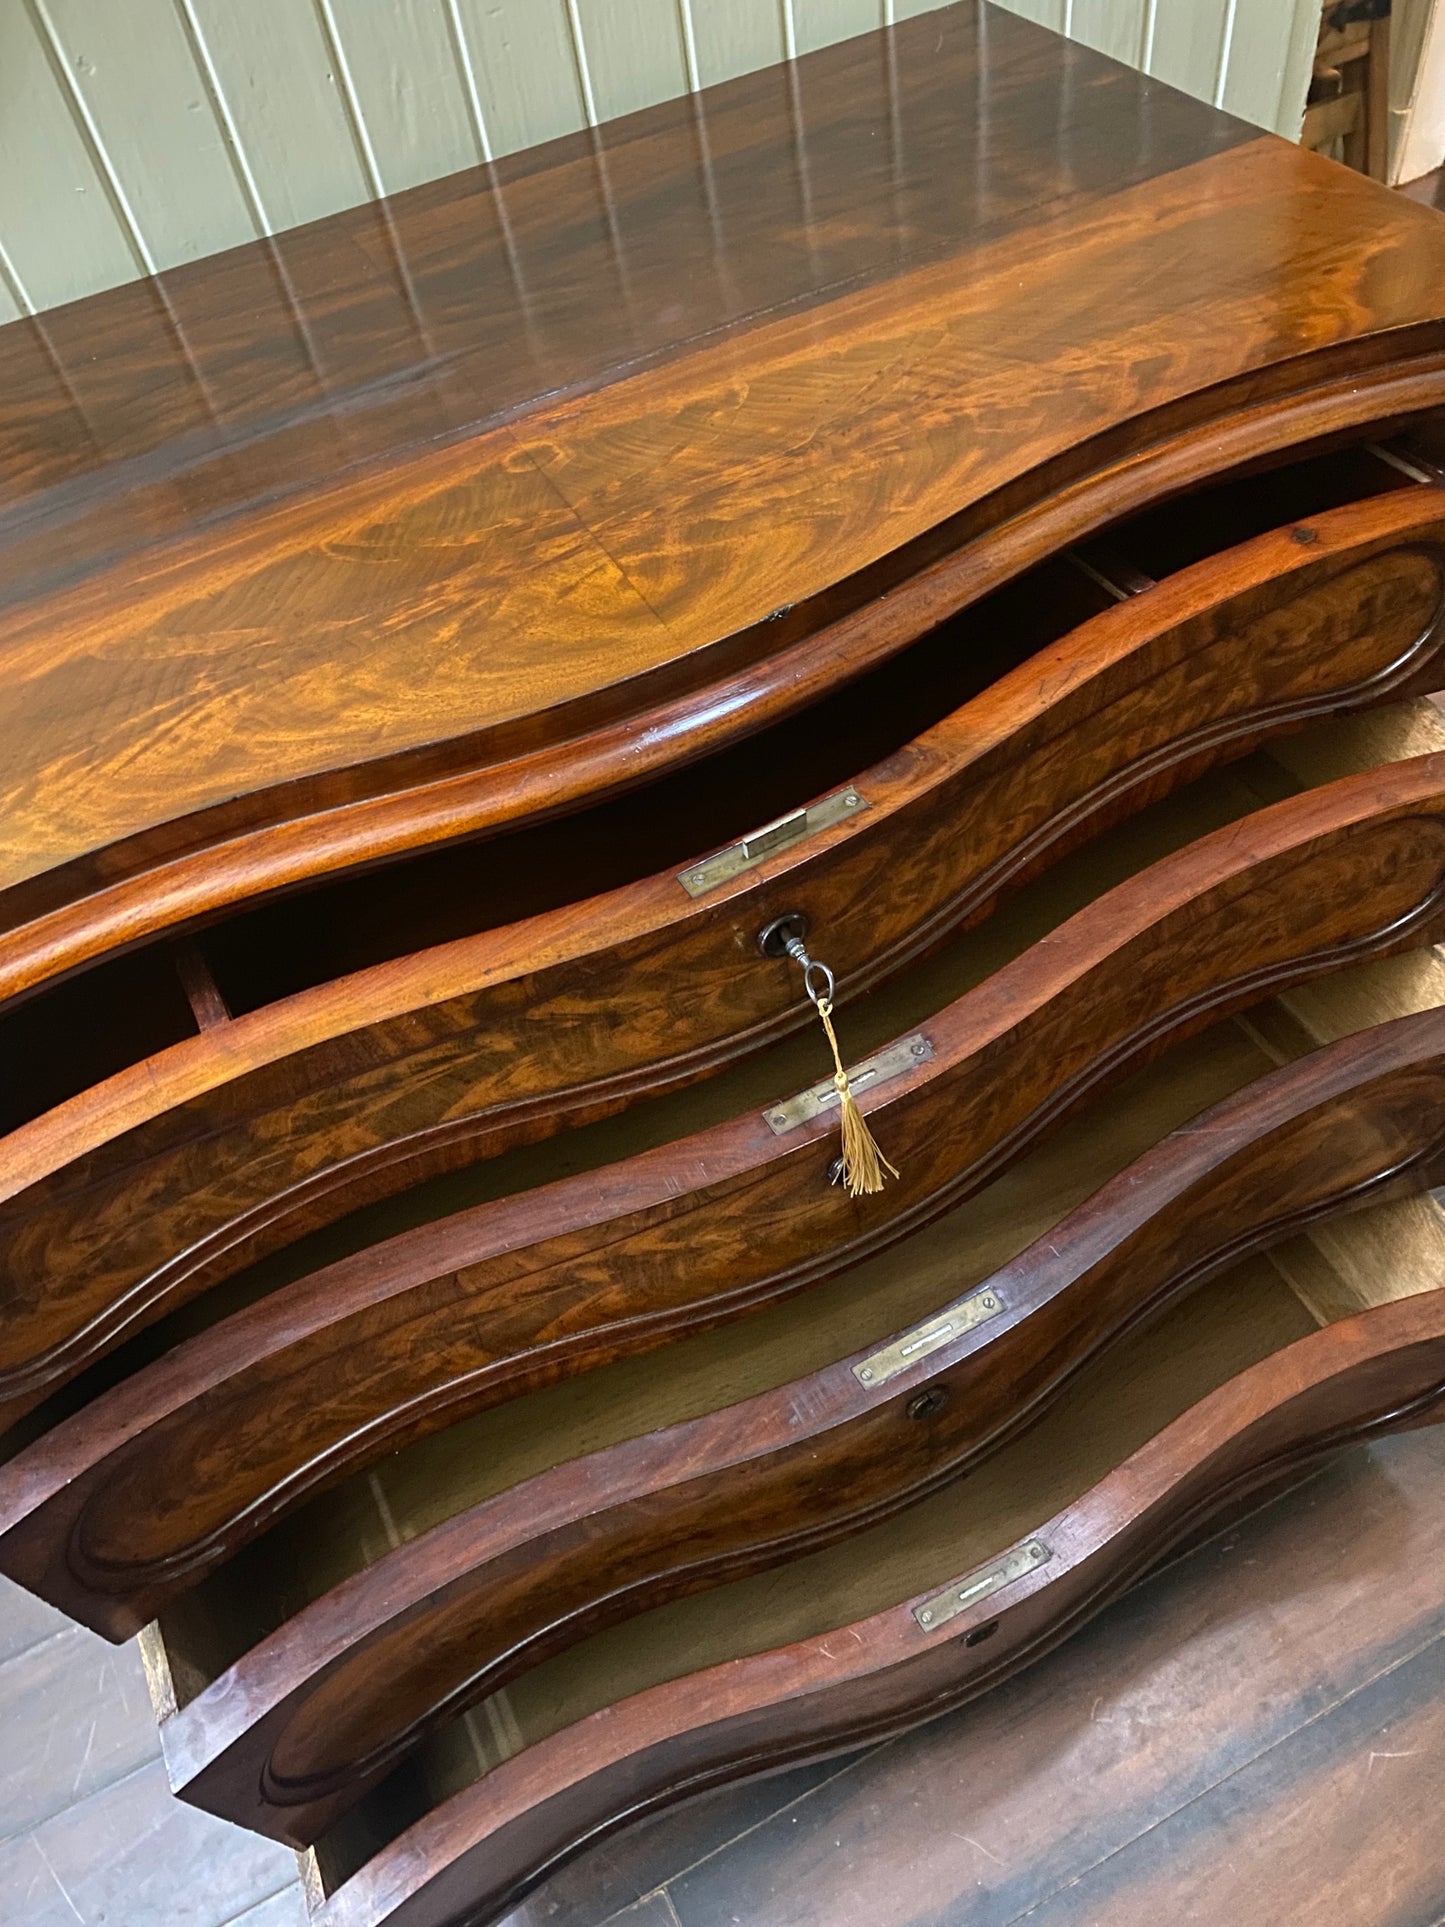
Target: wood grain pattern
{"x":305,"y":1722}
{"x":467,"y":299}
{"x":551,"y":623}
{"x":141,"y":1193}
{"x":136,"y":1497}
{"x":483,"y":1849}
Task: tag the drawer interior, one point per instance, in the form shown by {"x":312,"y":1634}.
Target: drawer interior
{"x":1171,"y":535}
{"x":1125,"y":1397}
{"x":891,"y":1010}
{"x":66,"y":1039}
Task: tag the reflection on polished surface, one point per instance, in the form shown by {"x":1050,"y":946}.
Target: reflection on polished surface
{"x":462,"y":301}
{"x":624,"y":443}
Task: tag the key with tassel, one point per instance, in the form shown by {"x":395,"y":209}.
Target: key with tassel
{"x":864,"y":1164}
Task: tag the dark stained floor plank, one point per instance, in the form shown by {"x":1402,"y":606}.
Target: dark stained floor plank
{"x":619,"y":1872}
{"x":1338,"y":1823}
{"x":131,"y":1856}
{"x":89,"y":1830}
{"x":74,"y":1715}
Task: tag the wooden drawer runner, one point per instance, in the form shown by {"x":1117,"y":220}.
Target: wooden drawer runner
{"x":138,"y":1192}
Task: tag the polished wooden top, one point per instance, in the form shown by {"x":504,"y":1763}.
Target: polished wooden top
{"x":563,"y":469}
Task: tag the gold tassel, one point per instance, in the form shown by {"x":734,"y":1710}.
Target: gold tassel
{"x":863,"y":1163}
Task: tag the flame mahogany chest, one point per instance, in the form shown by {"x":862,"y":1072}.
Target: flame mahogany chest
{"x":949,"y":499}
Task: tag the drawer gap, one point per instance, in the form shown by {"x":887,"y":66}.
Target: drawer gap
{"x":1187,"y":528}
{"x":86,"y":1029}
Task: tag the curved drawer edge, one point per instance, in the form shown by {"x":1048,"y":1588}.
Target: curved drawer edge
{"x":1230,"y":640}
{"x":195,"y":1441}
{"x":116,"y":898}
{"x":484,"y":1849}
{"x":455,"y":1613}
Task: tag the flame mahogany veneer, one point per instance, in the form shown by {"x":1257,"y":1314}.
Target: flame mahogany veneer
{"x":613,"y":454}
{"x":616,"y":455}
{"x":155,"y":1483}
{"x":387,"y":543}
{"x":478,"y":1853}
{"x":305,"y":1722}
{"x":141,"y":1192}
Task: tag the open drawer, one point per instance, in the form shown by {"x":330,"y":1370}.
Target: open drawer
{"x":122,"y":1507}
{"x":365,"y":1035}
{"x":396,"y":1754}
{"x":864,"y":1642}
{"x":299,"y":1728}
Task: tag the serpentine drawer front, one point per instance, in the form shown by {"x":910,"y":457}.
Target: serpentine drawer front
{"x":849,"y":507}
{"x":486,"y":1846}
{"x":153,"y":1484}
{"x":302,"y":1725}
{"x":140,"y":1191}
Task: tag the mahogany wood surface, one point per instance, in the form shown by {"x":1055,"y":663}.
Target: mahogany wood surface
{"x":305,"y":1722}
{"x":463,"y":302}
{"x":274,"y":656}
{"x":482,"y":1850}
{"x":138,"y":1194}
{"x":155,"y":1483}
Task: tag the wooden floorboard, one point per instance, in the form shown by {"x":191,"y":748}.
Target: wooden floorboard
{"x":89,"y":1832}
{"x":1340,"y":1822}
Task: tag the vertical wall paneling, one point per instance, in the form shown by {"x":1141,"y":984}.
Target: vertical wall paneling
{"x":61,"y":234}
{"x":10,"y":292}
{"x":1189,"y":36}
{"x":276,"y":72}
{"x":1047,"y":13}
{"x":153,"y":131}
{"x":65,"y":75}
{"x":634,"y":53}
{"x":1113,"y":27}
{"x":173,"y":167}
{"x":1422,"y":139}
{"x":735,"y":38}
{"x":406,"y":88}
{"x":1226,"y":41}
{"x":526,"y":70}
{"x":1412,"y":87}
{"x":1259,"y":59}
{"x":818,"y":23}
{"x":689,"y":45}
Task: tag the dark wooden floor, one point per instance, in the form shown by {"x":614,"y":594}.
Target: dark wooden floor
{"x":89,"y":1832}
{"x":1255,"y":1738}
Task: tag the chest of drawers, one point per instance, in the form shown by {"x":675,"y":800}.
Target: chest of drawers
{"x":953,"y":499}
